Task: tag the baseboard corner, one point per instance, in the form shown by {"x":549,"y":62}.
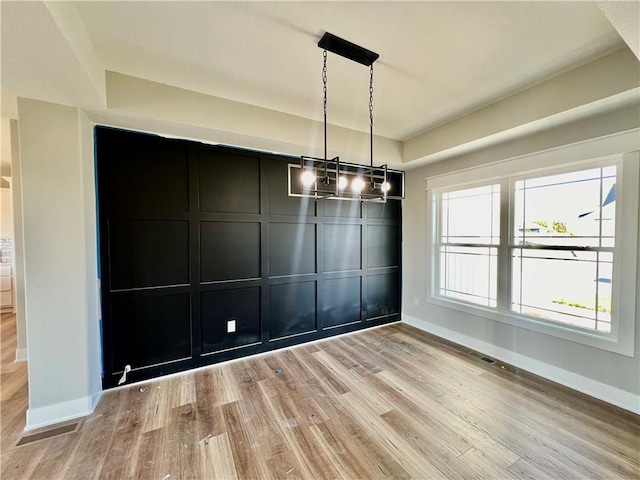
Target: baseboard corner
{"x":21,"y":355}
{"x":61,"y":412}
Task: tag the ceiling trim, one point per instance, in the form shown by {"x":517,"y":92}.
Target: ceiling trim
{"x":599,"y":86}
{"x":616,"y":103}
{"x":235,"y":123}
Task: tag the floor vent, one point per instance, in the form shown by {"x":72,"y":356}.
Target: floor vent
{"x":54,"y":432}
{"x":482,"y":357}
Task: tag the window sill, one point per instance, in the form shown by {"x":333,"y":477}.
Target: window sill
{"x":603,"y":341}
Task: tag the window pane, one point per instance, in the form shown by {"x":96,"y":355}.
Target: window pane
{"x":469,"y":273}
{"x":471,"y":215}
{"x":605,"y":281}
{"x":563,"y":178}
{"x":564,"y":286}
{"x":607,"y":217}
{"x":572,"y":209}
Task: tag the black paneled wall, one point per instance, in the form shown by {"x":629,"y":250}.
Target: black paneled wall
{"x":204,"y":257}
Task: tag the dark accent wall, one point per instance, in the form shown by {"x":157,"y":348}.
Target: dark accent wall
{"x":192,"y":236}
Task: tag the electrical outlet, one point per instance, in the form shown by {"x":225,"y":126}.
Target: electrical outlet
{"x":416,"y":301}
{"x":231,"y":326}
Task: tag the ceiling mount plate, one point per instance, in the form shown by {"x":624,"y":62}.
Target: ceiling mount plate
{"x":346,"y":49}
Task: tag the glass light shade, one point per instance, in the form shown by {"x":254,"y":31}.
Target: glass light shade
{"x":307,"y":178}
{"x":342,"y":183}
{"x":357,"y":184}
{"x":386,"y":186}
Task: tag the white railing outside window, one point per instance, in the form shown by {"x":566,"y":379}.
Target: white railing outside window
{"x":469,"y":234}
{"x":563,"y":240}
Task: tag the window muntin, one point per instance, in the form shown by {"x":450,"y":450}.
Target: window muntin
{"x":471,"y":215}
{"x":470,"y":233}
{"x":558,"y":286}
{"x":572,"y":209}
{"x":560,"y":248}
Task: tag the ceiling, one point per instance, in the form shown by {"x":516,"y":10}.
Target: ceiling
{"x":441,"y":63}
{"x":437,"y":60}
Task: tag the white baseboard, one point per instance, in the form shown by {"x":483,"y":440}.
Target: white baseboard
{"x":61,"y":412}
{"x":21,"y":354}
{"x":593,"y":388}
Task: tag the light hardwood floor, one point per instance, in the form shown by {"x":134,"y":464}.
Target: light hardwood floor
{"x":389,"y":402}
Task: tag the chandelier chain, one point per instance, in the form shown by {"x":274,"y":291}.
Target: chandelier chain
{"x":324,"y":81}
{"x":371,"y":96}
{"x":371,"y":117}
{"x":324,"y":91}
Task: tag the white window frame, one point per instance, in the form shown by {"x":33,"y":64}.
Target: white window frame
{"x":621,"y":339}
{"x":437,"y":243}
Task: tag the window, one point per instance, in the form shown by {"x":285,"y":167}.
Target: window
{"x":470,"y":233}
{"x":547,"y":249}
{"x":563,"y":240}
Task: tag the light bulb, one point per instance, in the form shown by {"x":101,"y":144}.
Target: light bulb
{"x":307,"y":178}
{"x":386,"y":186}
{"x":357,"y":185}
{"x":342,"y":183}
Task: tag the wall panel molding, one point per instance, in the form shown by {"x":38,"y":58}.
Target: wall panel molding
{"x":205,"y":257}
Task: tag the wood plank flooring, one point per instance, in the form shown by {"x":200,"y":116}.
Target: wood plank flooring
{"x":389,"y":402}
{"x":14,"y":397}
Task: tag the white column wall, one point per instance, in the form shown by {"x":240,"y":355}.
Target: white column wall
{"x":18,"y":245}
{"x":61,"y":324}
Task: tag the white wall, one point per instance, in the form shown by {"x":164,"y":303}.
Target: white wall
{"x":6,"y":213}
{"x":18,"y":244}
{"x":244,"y":125}
{"x":5,"y":141}
{"x":61,"y":324}
{"x":610,"y":376}
{"x":11,"y":223}
{"x":93,"y":313}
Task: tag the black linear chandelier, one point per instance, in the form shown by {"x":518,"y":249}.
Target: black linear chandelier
{"x":329,"y":178}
